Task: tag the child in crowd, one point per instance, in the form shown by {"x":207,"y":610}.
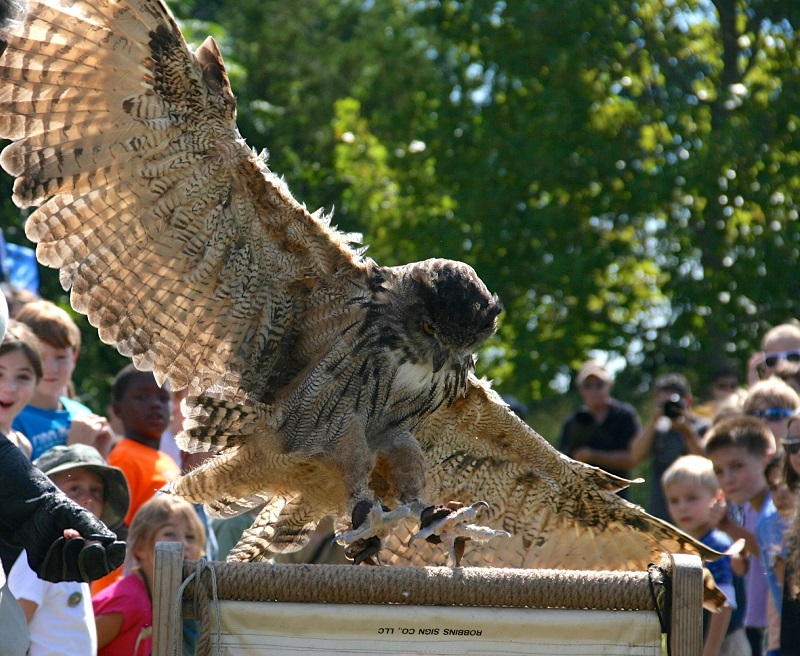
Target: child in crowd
{"x":774,"y":402}
{"x":790,"y":609}
{"x":124,"y":610}
{"x":144,"y":410}
{"x":52,"y":418}
{"x":691,"y":491}
{"x":770,"y":531}
{"x":60,"y":615}
{"x":20,"y":371}
{"x":740,"y":448}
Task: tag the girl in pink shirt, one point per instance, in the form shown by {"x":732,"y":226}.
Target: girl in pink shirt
{"x":124,"y":610}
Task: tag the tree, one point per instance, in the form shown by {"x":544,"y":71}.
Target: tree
{"x":641,"y":161}
{"x":623,"y":174}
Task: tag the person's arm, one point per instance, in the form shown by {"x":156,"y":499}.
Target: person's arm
{"x":64,"y":541}
{"x":642,"y":443}
{"x":691,"y":439}
{"x":93,"y":430}
{"x":28,"y":607}
{"x":717,"y":628}
{"x":737,"y":532}
{"x":607,"y":459}
{"x":108,"y":627}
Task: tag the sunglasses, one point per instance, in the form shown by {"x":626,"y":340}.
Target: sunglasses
{"x":593,"y":384}
{"x":730,"y":387}
{"x":772,"y":414}
{"x":792,"y":448}
{"x":771,"y":359}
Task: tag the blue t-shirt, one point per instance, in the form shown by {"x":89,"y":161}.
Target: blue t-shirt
{"x":48,"y":428}
{"x":723,"y":574}
{"x":770,"y":531}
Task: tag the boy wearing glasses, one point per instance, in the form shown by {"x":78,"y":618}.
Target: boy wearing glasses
{"x":773,"y":401}
{"x":600,"y":431}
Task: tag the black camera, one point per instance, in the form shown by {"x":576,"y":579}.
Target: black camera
{"x":674,"y":406}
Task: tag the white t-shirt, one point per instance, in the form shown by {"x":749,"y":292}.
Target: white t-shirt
{"x":63,"y":624}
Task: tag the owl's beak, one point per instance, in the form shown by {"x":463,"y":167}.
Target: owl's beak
{"x":439,"y":358}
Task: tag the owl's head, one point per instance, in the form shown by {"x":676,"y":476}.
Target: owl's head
{"x":446,"y":309}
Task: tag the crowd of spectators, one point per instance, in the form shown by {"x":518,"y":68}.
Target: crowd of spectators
{"x":722,"y":470}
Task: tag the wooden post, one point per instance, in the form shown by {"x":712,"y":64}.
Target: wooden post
{"x":686,"y":623}
{"x":168,"y":579}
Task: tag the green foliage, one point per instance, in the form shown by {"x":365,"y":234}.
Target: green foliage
{"x":623,"y":174}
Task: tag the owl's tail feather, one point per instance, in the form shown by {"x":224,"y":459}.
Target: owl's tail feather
{"x":215,"y":425}
{"x":284,"y":525}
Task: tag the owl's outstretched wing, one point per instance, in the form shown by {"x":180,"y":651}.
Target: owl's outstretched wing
{"x":561,"y":514}
{"x":176,"y":240}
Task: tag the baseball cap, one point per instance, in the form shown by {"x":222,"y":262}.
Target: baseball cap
{"x":592,"y":368}
{"x":117,"y":495}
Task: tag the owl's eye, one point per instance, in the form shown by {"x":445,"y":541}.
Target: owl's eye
{"x":428,"y":328}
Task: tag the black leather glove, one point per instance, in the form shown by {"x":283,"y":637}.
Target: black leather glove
{"x":75,"y":560}
{"x":34,"y":514}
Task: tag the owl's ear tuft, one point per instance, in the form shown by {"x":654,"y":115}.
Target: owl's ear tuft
{"x":214,"y":73}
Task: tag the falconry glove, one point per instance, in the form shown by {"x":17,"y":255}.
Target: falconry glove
{"x":34,"y":514}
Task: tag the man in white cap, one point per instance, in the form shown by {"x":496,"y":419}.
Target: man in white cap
{"x":600,"y":431}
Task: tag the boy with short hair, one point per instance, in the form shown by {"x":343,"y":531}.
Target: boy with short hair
{"x":774,"y":402}
{"x":145,"y":412}
{"x":52,"y":418}
{"x":60,"y":615}
{"x":691,"y":491}
{"x":740,"y":448}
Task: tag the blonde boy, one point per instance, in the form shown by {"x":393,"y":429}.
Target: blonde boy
{"x":692,"y":493}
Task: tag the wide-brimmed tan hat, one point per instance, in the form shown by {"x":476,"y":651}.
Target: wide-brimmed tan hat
{"x":117,"y":494}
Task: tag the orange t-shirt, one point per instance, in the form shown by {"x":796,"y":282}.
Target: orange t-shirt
{"x":147,"y":470}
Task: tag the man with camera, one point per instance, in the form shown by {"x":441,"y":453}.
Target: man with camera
{"x":600,"y":431}
{"x":671,"y":431}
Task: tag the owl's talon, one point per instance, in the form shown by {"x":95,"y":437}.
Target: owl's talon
{"x":365,"y":551}
{"x":447,"y":525}
{"x":372,"y":523}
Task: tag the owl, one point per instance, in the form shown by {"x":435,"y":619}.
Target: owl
{"x":321,"y":382}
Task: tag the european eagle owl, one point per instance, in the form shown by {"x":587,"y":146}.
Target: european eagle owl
{"x":322,"y":382}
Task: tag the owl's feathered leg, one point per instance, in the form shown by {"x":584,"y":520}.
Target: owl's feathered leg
{"x":372,"y":522}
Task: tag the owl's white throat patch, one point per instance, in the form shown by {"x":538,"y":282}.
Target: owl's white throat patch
{"x":412,"y":375}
